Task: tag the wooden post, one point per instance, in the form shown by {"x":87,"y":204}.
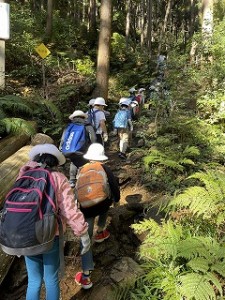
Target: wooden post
{"x":2,"y":64}
{"x":4,"y":35}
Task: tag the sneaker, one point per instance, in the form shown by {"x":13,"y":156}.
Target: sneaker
{"x":85,"y":282}
{"x":100,"y":237}
{"x":72,"y":183}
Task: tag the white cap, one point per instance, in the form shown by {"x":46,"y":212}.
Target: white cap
{"x":141,"y":90}
{"x":78,"y":113}
{"x":91,"y":102}
{"x":131,"y":90}
{"x":96,"y":152}
{"x":100,"y":101}
{"x":47,"y":149}
{"x":124,"y":101}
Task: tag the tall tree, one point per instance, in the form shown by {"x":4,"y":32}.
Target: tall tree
{"x":102,"y":76}
{"x":49,"y":20}
{"x":149,"y":27}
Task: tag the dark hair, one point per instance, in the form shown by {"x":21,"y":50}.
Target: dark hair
{"x":48,"y":159}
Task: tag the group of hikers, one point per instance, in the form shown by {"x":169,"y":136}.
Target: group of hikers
{"x":90,"y":191}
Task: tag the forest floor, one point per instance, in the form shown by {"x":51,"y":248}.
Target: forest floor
{"x":121,"y":243}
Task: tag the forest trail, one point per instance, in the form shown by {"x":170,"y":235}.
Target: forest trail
{"x":122,"y":243}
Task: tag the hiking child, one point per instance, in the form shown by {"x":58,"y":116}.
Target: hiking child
{"x":100,"y":120}
{"x":123,"y":125}
{"x":78,"y":118}
{"x":45,"y":266}
{"x":97,"y":189}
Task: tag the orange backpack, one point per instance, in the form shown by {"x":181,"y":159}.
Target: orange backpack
{"x":92,"y":185}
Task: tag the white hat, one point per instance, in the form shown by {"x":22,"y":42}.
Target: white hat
{"x":131,"y":90}
{"x":100,"y":101}
{"x":91,"y":102}
{"x":141,"y":90}
{"x":77,"y":113}
{"x":96,"y":152}
{"x":125,"y":101}
{"x":47,"y":149}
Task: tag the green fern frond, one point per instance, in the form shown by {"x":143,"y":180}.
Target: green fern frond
{"x":14,"y":103}
{"x":196,"y":287}
{"x":53,"y":110}
{"x":17,"y":126}
{"x":208,"y":200}
{"x":191,"y":151}
{"x":186,"y":161}
{"x":199,"y":264}
{"x":157,"y":157}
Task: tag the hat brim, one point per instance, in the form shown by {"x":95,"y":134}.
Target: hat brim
{"x":71,"y":117}
{"x":47,"y":149}
{"x":97,"y":158}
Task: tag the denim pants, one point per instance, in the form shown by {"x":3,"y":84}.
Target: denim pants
{"x":87,"y":258}
{"x":44,"y":267}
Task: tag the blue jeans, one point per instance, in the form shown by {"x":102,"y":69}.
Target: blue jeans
{"x":44,"y":267}
{"x":87,"y":258}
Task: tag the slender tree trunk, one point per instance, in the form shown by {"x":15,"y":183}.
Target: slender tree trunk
{"x":142,"y":22}
{"x":168,"y":10}
{"x":92,"y":15}
{"x":128,"y":20}
{"x":49,"y":20}
{"x":149,"y":27}
{"x":102,"y":75}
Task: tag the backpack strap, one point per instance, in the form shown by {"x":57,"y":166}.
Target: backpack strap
{"x":61,"y":247}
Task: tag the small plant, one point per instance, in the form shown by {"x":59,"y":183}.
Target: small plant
{"x":178,"y":264}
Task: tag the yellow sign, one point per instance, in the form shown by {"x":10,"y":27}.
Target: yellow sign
{"x":42,"y":50}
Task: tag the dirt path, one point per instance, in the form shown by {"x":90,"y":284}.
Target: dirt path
{"x":122,"y":242}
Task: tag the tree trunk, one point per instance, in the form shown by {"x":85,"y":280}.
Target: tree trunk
{"x":10,"y":144}
{"x":128,"y":20}
{"x":149,"y":27}
{"x":49,"y":20}
{"x":102,"y":75}
{"x":163,"y":30}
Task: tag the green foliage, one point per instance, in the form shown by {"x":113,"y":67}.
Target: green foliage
{"x":11,"y":108}
{"x":16,"y":126}
{"x":178,"y":264}
{"x":207,"y":200}
{"x":47,"y":115}
{"x":85,"y":66}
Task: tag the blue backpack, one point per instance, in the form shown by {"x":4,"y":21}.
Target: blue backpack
{"x":121,"y":119}
{"x":28,"y":220}
{"x":92,"y":117}
{"x":75,"y":139}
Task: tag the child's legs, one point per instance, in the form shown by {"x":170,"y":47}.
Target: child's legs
{"x":102,"y":221}
{"x":87,"y":258}
{"x":124,"y":137}
{"x":34,"y":265}
{"x":51,"y":261}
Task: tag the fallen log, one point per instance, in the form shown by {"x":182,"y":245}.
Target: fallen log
{"x":9,"y":169}
{"x":11,"y":144}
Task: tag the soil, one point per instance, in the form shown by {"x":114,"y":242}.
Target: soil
{"x":121,"y":243}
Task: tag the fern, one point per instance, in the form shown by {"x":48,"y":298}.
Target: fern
{"x":17,"y":126}
{"x":13,"y":103}
{"x":206,"y":201}
{"x":196,"y":286}
{"x":179,"y":265}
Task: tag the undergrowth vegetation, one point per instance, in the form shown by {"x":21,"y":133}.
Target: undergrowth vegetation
{"x":182,"y":128}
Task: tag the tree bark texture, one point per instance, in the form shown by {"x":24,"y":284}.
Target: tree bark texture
{"x":103,"y":61}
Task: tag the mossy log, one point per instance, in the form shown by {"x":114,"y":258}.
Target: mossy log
{"x":11,"y":144}
{"x":9,"y":169}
